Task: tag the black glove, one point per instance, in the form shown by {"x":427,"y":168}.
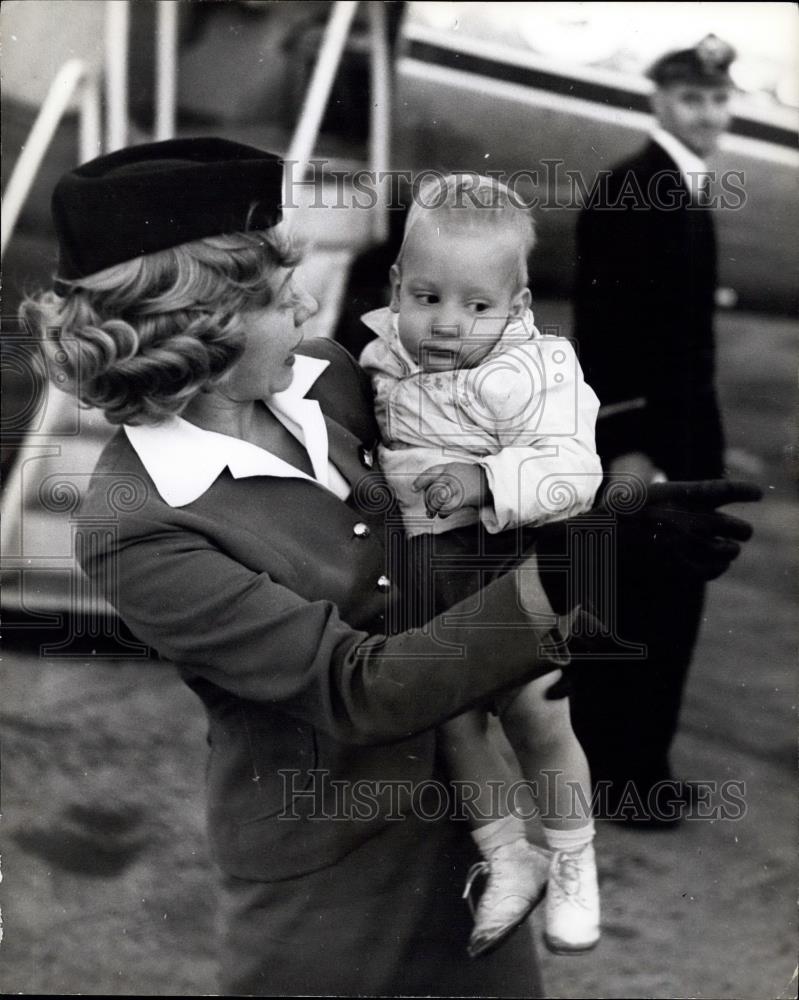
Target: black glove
{"x":680,"y":523}
{"x":664,"y":527}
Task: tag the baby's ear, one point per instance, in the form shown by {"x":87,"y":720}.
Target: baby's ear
{"x":394,"y":278}
{"x":521,"y":302}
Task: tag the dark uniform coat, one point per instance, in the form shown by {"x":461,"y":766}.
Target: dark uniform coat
{"x":644,"y":302}
{"x":273,"y":597}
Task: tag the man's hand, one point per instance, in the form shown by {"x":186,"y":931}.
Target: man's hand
{"x":451,"y":486}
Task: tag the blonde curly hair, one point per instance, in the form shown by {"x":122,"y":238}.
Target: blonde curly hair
{"x":140,"y":339}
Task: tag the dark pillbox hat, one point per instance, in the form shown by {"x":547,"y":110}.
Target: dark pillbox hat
{"x":706,"y":64}
{"x":146,"y":198}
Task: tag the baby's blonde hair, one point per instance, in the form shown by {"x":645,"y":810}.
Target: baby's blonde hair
{"x":473,"y":202}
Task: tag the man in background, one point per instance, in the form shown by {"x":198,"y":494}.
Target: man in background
{"x":646,"y":281}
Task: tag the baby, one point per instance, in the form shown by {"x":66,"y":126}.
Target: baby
{"x":483,"y":418}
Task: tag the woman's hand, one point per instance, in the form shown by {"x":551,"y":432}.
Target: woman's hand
{"x":681,"y":520}
{"x":451,"y":486}
{"x":676,"y":527}
{"x":636,"y":463}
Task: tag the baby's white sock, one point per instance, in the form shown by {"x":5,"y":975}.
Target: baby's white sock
{"x":505,"y":830}
{"x":569,"y":840}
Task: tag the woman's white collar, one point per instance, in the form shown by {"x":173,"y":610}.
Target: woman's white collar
{"x":184,"y":460}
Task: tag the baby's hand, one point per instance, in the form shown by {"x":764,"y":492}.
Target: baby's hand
{"x":451,"y":486}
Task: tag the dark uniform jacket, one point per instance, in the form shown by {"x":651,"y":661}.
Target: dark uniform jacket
{"x":269,"y":593}
{"x":644,"y":301}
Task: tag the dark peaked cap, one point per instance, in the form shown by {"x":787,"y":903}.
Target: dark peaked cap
{"x":146,"y":198}
{"x":707,"y":64}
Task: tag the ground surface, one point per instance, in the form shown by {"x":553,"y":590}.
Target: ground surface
{"x":107,"y":885}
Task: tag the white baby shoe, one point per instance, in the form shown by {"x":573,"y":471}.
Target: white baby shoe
{"x":517,"y":878}
{"x":572,"y":906}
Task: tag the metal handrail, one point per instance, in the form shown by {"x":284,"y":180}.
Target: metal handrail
{"x":72,"y":77}
{"x":166,"y":61}
{"x":380,"y":115}
{"x":117,"y":28}
{"x":331,"y":51}
{"x":76,"y":74}
{"x":327,"y":63}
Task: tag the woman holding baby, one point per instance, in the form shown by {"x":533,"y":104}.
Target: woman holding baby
{"x":264,"y":557}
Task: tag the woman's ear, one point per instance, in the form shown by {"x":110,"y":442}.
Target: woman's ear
{"x":521,"y":302}
{"x":394,"y":277}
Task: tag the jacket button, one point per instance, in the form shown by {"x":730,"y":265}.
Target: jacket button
{"x":361,"y":530}
{"x":383,"y":583}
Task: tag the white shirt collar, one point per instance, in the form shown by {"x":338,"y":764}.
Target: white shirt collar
{"x":692,"y":167}
{"x":184,"y":460}
{"x":383,"y":322}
